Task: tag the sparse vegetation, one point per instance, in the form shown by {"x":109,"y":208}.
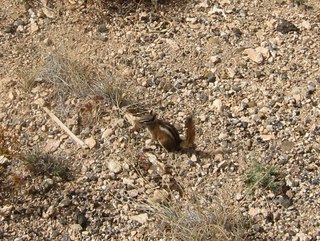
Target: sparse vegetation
{"x":298,"y":2}
{"x":71,"y":76}
{"x":264,"y":176}
{"x":192,"y":221}
{"x":47,"y":165}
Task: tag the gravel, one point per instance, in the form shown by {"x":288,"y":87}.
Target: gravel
{"x":249,"y":73}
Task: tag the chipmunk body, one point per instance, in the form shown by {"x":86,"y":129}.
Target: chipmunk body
{"x":167,"y":135}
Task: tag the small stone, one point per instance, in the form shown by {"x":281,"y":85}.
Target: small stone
{"x":52,"y":145}
{"x":215,"y":59}
{"x":6,"y":210}
{"x":306,"y":24}
{"x":9,"y":29}
{"x":159,"y":196}
{"x":101,"y":37}
{"x":74,"y":230}
{"x":34,"y":27}
{"x":253,"y":55}
{"x":203,"y":118}
{"x":267,"y":137}
{"x":254,"y":211}
{"x":217,"y":104}
{"x":239,"y":196}
{"x":48,"y":12}
{"x":65,"y":202}
{"x":50,"y":211}
{"x":47,"y":42}
{"x":107,"y":133}
{"x":40,"y":102}
{"x":264,"y":51}
{"x":141,"y":218}
{"x":47,"y":184}
{"x":90,"y":142}
{"x":114,"y":167}
{"x":211,"y":77}
{"x":194,"y":158}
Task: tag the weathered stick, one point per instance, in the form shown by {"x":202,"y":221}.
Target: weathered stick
{"x":66,"y":129}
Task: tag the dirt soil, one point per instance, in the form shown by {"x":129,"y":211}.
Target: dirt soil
{"x":248,"y":72}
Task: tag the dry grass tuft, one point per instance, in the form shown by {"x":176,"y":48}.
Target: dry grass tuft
{"x":43,"y":164}
{"x":72,"y":76}
{"x":194,"y":221}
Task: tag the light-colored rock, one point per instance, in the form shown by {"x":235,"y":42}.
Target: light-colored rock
{"x":141,"y":218}
{"x":264,"y":51}
{"x":52,"y":145}
{"x":253,"y":55}
{"x":50,"y":211}
{"x":215,"y":59}
{"x":254,"y":211}
{"x":306,"y":24}
{"x":114,"y":167}
{"x":90,"y":142}
{"x":34,"y":27}
{"x":267,"y":137}
{"x":159,"y":196}
{"x":108,"y":132}
{"x":217,"y":104}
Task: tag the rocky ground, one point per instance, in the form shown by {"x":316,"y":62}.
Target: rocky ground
{"x":249,"y":73}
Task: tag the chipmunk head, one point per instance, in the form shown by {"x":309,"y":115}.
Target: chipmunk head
{"x":148,"y":119}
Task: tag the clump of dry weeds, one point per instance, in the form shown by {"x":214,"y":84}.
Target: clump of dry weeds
{"x":72,"y":76}
{"x":195,"y":221}
{"x":44,"y":164}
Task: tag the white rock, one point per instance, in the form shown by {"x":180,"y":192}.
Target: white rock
{"x":306,"y":24}
{"x":253,"y":55}
{"x":217,"y":104}
{"x":114,"y":167}
{"x":264,"y":51}
{"x":108,"y":132}
{"x":141,"y":218}
{"x":215,"y":59}
{"x":90,"y":142}
{"x":34,"y":27}
{"x":254,"y":211}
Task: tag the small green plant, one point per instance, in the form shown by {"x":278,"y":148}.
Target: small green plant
{"x":264,"y":176}
{"x":46,"y":164}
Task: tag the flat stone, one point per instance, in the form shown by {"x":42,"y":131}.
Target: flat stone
{"x":254,"y":55}
{"x":52,"y":145}
{"x":90,"y":142}
{"x":141,"y":218}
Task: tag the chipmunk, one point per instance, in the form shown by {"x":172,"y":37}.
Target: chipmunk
{"x":135,"y":112}
{"x":167,"y":135}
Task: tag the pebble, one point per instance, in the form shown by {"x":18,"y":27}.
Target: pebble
{"x":90,"y":142}
{"x":114,"y":167}
{"x":141,"y":218}
{"x":254,"y":55}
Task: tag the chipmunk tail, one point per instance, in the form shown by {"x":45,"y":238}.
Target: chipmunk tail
{"x":190,"y":133}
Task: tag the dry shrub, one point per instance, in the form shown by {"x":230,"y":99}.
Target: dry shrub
{"x":43,"y":164}
{"x":191,"y":220}
{"x":72,"y":76}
